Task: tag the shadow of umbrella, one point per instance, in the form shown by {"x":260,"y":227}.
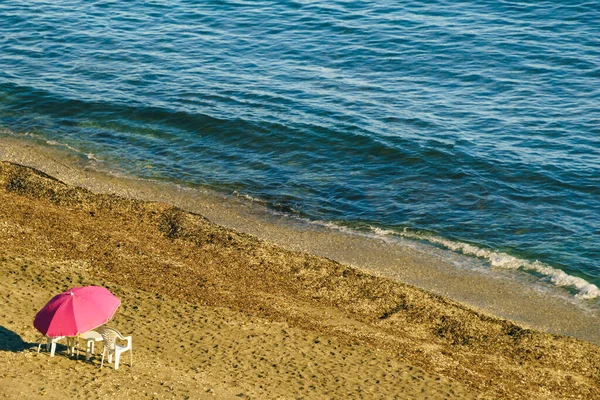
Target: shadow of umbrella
{"x":10,"y":341}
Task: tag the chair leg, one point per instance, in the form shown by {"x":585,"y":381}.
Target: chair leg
{"x":130,"y":357}
{"x":102,"y":363}
{"x":89,"y":350}
{"x":52,"y":348}
{"x":117,"y":357}
{"x":73,"y":346}
{"x":40,"y":343}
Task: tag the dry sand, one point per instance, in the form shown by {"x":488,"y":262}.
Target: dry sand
{"x":219,"y":314}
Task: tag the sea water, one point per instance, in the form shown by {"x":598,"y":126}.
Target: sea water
{"x":472,"y":126}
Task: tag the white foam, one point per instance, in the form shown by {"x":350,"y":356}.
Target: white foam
{"x":58,"y":144}
{"x":248,"y":197}
{"x":585,"y":289}
{"x":92,"y":156}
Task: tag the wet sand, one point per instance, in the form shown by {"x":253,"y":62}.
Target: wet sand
{"x":216,"y":313}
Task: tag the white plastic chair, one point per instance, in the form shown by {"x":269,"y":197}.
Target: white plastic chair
{"x":109,"y":337}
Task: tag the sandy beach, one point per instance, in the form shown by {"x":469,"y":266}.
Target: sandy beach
{"x":215,"y":313}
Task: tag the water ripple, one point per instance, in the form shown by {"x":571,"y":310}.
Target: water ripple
{"x":474,"y":120}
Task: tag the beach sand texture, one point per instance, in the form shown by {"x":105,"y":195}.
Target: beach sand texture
{"x":219,"y":314}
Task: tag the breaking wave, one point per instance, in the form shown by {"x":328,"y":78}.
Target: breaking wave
{"x":558,"y":277}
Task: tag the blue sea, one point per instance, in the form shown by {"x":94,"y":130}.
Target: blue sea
{"x":469,"y":125}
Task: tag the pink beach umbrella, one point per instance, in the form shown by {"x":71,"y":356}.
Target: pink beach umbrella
{"x":76,"y":311}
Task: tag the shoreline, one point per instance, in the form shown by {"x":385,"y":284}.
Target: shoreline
{"x":506,"y":294}
{"x":157,"y":257}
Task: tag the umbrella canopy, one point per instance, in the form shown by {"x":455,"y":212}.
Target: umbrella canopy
{"x":76,"y":311}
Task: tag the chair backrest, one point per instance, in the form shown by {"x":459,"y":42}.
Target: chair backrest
{"x":109,"y":336}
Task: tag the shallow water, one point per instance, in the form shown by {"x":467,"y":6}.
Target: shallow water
{"x":470,"y":125}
